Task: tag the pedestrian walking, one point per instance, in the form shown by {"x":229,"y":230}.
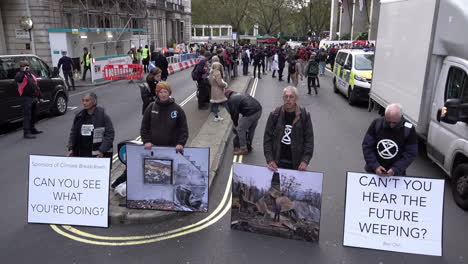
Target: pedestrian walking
{"x":294,"y":71}
{"x":281,"y":64}
{"x":86,"y":61}
{"x":244,"y":127}
{"x":245,"y":61}
{"x":257,"y":63}
{"x":145,"y":55}
{"x":311,"y":71}
{"x":288,"y":141}
{"x":217,"y":88}
{"x":148,"y":89}
{"x":161,"y":63}
{"x":275,"y":66}
{"x":30,"y":94}
{"x":164,"y":122}
{"x":200,"y":74}
{"x":322,"y":58}
{"x":390,"y":144}
{"x":66,"y":64}
{"x":92,"y":132}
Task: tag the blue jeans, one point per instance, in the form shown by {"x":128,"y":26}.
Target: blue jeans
{"x":215,"y":108}
{"x":322,"y":67}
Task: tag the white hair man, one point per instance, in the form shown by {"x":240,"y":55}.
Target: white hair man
{"x":390,"y":144}
{"x":288,"y":141}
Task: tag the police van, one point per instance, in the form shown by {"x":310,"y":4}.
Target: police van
{"x":353,"y":74}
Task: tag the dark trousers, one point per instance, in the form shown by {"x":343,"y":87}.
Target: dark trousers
{"x":280,"y":73}
{"x":245,"y":69}
{"x":29,"y":114}
{"x":69,"y":75}
{"x":263,"y":67}
{"x":257,"y":67}
{"x":285,"y":164}
{"x":145,"y":65}
{"x":289,"y":76}
{"x":311,"y":82}
{"x":85,"y":69}
{"x":203,"y":92}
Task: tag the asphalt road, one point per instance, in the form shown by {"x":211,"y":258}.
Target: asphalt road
{"x":207,"y":238}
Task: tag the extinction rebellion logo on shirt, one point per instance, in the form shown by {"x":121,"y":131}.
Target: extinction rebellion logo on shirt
{"x":287,"y":135}
{"x":174,"y":114}
{"x":387,"y":149}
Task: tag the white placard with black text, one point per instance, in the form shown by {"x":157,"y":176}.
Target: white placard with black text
{"x":68,"y":190}
{"x":402,"y":214}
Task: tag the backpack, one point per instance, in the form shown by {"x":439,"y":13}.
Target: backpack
{"x":379,"y":125}
{"x":313,"y":68}
{"x":196,"y":73}
{"x":292,"y":67}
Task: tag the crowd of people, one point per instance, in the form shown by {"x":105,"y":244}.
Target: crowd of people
{"x":288,"y":139}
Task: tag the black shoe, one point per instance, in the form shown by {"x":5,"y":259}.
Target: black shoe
{"x":29,"y":136}
{"x":35,"y":131}
{"x":280,"y":80}
{"x":273,"y":76}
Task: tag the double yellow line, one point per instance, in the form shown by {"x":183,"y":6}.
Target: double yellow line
{"x":85,"y":237}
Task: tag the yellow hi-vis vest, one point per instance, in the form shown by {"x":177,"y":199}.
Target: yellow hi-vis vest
{"x":87,"y":60}
{"x":145,"y":53}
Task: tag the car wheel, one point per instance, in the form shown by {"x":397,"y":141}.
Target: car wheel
{"x":335,"y":88}
{"x":60,"y":104}
{"x":460,"y":186}
{"x":351,"y":98}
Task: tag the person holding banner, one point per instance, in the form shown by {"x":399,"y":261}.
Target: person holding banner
{"x":390,"y":144}
{"x":164,"y":122}
{"x":92,"y":133}
{"x":288,"y":141}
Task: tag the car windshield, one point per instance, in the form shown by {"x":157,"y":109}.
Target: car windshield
{"x":364,"y":62}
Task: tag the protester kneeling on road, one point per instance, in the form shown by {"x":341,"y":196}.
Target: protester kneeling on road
{"x":148,"y":89}
{"x":390,"y":144}
{"x":164,"y":122}
{"x":244,"y":128}
{"x":217,"y":88}
{"x":92,"y":133}
{"x":288,"y":141}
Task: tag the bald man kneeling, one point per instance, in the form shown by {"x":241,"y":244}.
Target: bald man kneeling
{"x":390,"y":144}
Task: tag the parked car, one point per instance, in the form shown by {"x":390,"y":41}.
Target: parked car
{"x":54,"y":93}
{"x":353,"y":74}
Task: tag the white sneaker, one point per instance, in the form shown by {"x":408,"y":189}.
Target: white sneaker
{"x":216,"y":119}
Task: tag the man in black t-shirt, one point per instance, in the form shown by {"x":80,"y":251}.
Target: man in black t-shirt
{"x":390,"y":144}
{"x":288,"y":141}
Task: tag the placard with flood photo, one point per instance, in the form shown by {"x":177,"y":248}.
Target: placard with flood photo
{"x":158,"y":171}
{"x":163,"y":179}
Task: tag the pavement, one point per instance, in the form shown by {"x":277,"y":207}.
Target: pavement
{"x":212,"y":135}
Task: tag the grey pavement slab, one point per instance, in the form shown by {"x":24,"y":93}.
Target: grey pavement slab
{"x":212,"y":134}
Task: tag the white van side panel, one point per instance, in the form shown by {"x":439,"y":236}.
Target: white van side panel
{"x":402,"y":54}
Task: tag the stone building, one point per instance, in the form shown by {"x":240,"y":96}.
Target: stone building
{"x":106,"y":27}
{"x":351,"y":17}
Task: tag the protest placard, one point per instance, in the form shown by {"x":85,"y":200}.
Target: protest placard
{"x":68,"y":190}
{"x":402,"y":214}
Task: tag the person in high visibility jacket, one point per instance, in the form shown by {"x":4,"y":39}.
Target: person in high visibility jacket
{"x":138,"y":54}
{"x":86,"y":61}
{"x":145,"y":55}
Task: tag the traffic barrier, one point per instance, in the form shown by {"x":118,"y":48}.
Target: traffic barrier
{"x":123,"y":71}
{"x":171,"y":69}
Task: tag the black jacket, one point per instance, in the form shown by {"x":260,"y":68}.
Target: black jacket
{"x":66,"y":63}
{"x":164,"y":124}
{"x":100,"y":120}
{"x":242,"y":104}
{"x":161,"y":63}
{"x":31,"y":89}
{"x":302,"y":137}
{"x":148,"y":93}
{"x":281,"y":60}
{"x":379,"y":147}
